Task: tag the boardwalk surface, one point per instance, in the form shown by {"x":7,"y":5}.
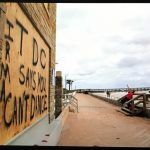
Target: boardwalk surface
{"x":99,"y":123}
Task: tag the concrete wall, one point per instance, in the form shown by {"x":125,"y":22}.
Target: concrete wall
{"x":27,"y":54}
{"x":109,"y":100}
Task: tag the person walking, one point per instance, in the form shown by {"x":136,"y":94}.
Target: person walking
{"x":108,"y":94}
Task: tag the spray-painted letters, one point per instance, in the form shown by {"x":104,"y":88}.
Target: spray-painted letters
{"x":26,"y":73}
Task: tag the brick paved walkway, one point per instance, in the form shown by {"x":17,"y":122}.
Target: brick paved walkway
{"x":99,"y":123}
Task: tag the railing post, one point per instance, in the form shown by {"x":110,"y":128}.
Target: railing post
{"x":144,"y":103}
{"x":132,"y":107}
{"x":58,"y":94}
{"x":74,"y":102}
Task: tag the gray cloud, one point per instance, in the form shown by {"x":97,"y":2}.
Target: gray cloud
{"x":139,"y":40}
{"x":85,"y":74}
{"x":129,"y":62}
{"x":67,"y":15}
{"x":104,"y":48}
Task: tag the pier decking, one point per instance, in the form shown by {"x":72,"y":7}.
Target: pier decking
{"x":99,"y":123}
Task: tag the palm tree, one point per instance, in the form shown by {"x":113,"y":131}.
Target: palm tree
{"x":70,"y":83}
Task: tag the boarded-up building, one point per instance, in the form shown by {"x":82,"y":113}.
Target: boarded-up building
{"x":27,"y":65}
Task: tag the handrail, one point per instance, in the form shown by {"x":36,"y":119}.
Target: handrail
{"x":71,"y":100}
{"x":133,"y":99}
{"x":143,"y":100}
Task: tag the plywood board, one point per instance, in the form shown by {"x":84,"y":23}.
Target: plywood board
{"x":24,"y":75}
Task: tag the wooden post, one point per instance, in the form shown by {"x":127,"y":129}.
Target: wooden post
{"x":58,"y":94}
{"x":132,"y":107}
{"x":144,"y":103}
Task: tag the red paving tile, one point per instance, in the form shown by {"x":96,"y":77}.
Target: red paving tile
{"x":99,"y":123}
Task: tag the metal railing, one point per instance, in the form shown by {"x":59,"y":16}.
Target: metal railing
{"x":70,"y":99}
{"x":112,"y":90}
{"x":74,"y":102}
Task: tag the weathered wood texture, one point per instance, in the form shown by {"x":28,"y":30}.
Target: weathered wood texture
{"x":58,"y":94}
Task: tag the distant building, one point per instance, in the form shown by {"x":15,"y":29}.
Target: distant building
{"x":27,"y":65}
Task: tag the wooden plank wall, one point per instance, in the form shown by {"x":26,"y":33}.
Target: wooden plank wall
{"x":24,"y":74}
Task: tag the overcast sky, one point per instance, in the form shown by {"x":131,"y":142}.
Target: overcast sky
{"x":104,"y":45}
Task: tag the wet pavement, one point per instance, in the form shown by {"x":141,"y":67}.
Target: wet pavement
{"x":99,"y":123}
